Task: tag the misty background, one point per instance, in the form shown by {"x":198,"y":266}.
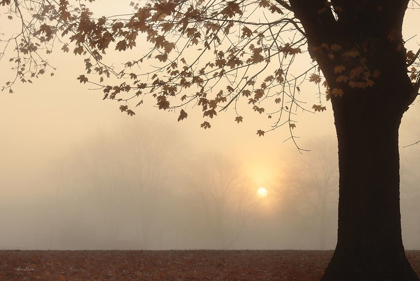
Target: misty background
{"x":75,"y":173}
{"x":144,"y":184}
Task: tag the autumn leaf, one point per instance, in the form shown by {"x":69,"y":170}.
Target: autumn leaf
{"x":288,"y":49}
{"x":231,"y":9}
{"x":123,"y":108}
{"x":162,"y":57}
{"x":246,"y":93}
{"x":182,"y":115}
{"x":337,"y":92}
{"x":83,"y":79}
{"x":117,"y":26}
{"x":356,"y":72}
{"x":220,"y":63}
{"x":209,"y":113}
{"x":234,"y":62}
{"x":265,"y":3}
{"x":352,"y":53}
{"x":259,"y":93}
{"x":362,"y":85}
{"x":269,"y":78}
{"x":205,"y":125}
{"x":274,"y":9}
{"x":239,"y":119}
{"x":256,"y":56}
{"x":370,"y":83}
{"x":318,"y":108}
{"x":339,"y":69}
{"x":246,"y":32}
{"x":342,"y":78}
{"x":315,"y":78}
{"x":250,"y":82}
{"x":410,"y":56}
{"x":355,"y":84}
{"x":279,"y":75}
{"x":335,"y":47}
{"x":121,"y":45}
{"x":413,"y":73}
{"x":78,"y":50}
{"x":65,"y":48}
{"x":162,"y":102}
{"x":167,"y":26}
{"x":260,"y":133}
{"x":258,"y":109}
{"x":166,"y":8}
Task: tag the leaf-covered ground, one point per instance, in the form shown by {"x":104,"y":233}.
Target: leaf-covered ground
{"x":168,"y":265}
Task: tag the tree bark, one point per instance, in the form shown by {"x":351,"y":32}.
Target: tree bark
{"x":369,"y":243}
{"x":367,"y":119}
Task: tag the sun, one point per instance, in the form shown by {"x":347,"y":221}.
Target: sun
{"x":262,"y":192}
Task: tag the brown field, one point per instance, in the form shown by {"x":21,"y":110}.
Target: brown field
{"x":168,"y":265}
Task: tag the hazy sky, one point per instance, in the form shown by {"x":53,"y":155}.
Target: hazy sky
{"x":42,"y":122}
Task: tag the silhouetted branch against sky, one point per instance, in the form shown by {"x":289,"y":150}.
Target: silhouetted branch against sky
{"x":182,"y":54}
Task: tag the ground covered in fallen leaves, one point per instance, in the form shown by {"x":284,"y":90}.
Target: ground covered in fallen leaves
{"x":168,"y":265}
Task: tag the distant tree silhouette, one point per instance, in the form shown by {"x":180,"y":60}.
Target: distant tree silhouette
{"x":222,"y":197}
{"x":309,"y":187}
{"x":126,"y":175}
{"x":213,"y":55}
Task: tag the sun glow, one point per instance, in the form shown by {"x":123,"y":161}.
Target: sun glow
{"x":262,"y":192}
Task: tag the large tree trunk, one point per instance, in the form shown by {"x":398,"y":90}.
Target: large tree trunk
{"x":367,"y":119}
{"x":369,"y":227}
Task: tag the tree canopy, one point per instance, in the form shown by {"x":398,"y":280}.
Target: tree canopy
{"x":205,"y":54}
